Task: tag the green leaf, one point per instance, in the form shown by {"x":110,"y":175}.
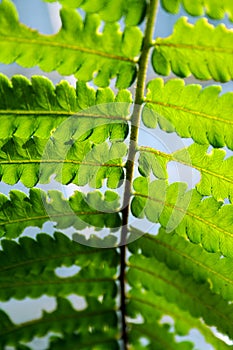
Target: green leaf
{"x":213,"y":8}
{"x":44,"y":131}
{"x":154,"y":307}
{"x":111,"y":10}
{"x":198,"y":49}
{"x":149,"y":161}
{"x":31,"y":269}
{"x":36,"y":109}
{"x":191,"y":111}
{"x":101,"y":341}
{"x":64,"y":320}
{"x":161,"y":287}
{"x":189,"y":259}
{"x":80,"y":163}
{"x":81,"y":49}
{"x":159,"y":336}
{"x":204,"y":221}
{"x":216,"y":178}
{"x":197,"y":299}
{"x":79,"y":211}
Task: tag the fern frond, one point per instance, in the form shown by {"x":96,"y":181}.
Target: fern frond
{"x":216,"y":173}
{"x":80,"y":210}
{"x":79,"y":136}
{"x":103,"y":341}
{"x":190,"y":111}
{"x":213,"y":9}
{"x":197,"y":299}
{"x":53,"y":130}
{"x":111,"y":10}
{"x":153,"y":307}
{"x":152,"y":160}
{"x":158,"y":336}
{"x":204,"y":221}
{"x":82,"y":163}
{"x":51,"y":285}
{"x":78,"y":48}
{"x":33,"y":110}
{"x":198,"y":49}
{"x":216,"y":177}
{"x":37,"y":261}
{"x":190,"y":259}
{"x":64,"y":320}
{"x":31,"y":257}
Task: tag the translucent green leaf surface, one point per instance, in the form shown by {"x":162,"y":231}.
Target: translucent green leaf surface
{"x":80,"y":211}
{"x":101,"y":341}
{"x":197,"y":299}
{"x":31,"y":112}
{"x":213,"y":8}
{"x":216,"y":178}
{"x":190,"y":111}
{"x":31,"y":257}
{"x":82,"y":163}
{"x":198,"y":49}
{"x":158,"y":336}
{"x":81,"y":49}
{"x":152,"y":306}
{"x":204,"y":221}
{"x":190,"y":259}
{"x":49,"y":130}
{"x":170,"y":288}
{"x":111,"y":10}
{"x":64,"y":320}
{"x":34,"y":260}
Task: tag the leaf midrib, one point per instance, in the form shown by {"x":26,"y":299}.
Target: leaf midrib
{"x":59,"y":161}
{"x":196,"y":47}
{"x":39,"y":42}
{"x":55,"y":113}
{"x":16,"y":328}
{"x":58,"y":281}
{"x":42,"y":217}
{"x":190,"y":111}
{"x":47,"y":258}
